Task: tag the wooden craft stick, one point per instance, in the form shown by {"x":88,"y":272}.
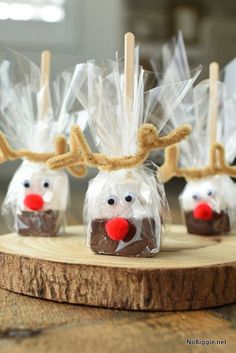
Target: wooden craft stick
{"x":213,"y":102}
{"x":45,"y":78}
{"x":129,"y":69}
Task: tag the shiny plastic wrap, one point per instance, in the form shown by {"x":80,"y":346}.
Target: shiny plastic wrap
{"x":229,"y":121}
{"x":36,"y":200}
{"x":174,"y":68}
{"x":213,"y":206}
{"x":37,"y":197}
{"x":124,"y":209}
{"x":208,"y":203}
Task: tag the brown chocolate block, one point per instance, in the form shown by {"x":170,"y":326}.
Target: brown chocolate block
{"x":100,"y":242}
{"x":42,"y":223}
{"x":219,"y":224}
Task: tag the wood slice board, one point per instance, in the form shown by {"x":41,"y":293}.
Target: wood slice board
{"x":190,"y":272}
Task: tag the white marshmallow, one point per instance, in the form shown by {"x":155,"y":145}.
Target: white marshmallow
{"x":55,"y":196}
{"x":218,"y":191}
{"x":117,"y":185}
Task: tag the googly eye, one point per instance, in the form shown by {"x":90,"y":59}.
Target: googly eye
{"x":129,"y":197}
{"x":210,"y":193}
{"x":196,"y":196}
{"x":112,"y":200}
{"x":46,"y":184}
{"x":26,"y":184}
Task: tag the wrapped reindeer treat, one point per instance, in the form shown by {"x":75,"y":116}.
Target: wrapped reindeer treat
{"x":124,"y":206}
{"x":33,"y":120}
{"x":208,"y":201}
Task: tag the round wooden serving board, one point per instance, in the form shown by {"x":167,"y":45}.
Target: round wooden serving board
{"x":190,"y":272}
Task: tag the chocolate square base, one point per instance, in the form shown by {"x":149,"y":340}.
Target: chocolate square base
{"x":100,"y":242}
{"x":219,"y":224}
{"x":42,"y":224}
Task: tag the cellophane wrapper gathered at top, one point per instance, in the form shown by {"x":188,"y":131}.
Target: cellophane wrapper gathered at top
{"x":208,"y":204}
{"x":37,"y":197}
{"x":124,"y":209}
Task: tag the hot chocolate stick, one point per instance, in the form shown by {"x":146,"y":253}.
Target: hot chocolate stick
{"x":129,"y":70}
{"x":45,"y":78}
{"x":213,"y":102}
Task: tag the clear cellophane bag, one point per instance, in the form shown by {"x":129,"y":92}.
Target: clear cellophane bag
{"x":37,"y":197}
{"x":208,"y":204}
{"x":124,"y":209}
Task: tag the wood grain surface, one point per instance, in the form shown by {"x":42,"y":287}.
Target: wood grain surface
{"x":190,"y":272}
{"x":29,"y":325}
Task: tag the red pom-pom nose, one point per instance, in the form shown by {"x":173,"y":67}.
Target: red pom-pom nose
{"x":117,"y":228}
{"x":203,"y":211}
{"x":34,"y":202}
